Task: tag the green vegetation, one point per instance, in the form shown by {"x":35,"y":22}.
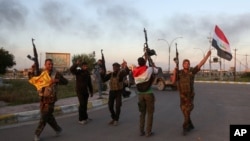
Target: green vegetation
{"x":20,"y":91}
{"x":7,"y":60}
{"x":88,"y":58}
{"x":245,"y":77}
{"x":240,"y":77}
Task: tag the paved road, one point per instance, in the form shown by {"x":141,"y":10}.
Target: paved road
{"x":216,"y":107}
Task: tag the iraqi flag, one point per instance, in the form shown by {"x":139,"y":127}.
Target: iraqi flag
{"x":221,"y":43}
{"x":141,"y":74}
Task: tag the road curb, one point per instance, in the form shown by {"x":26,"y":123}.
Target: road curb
{"x":35,"y":114}
{"x":224,"y":82}
{"x":20,"y":117}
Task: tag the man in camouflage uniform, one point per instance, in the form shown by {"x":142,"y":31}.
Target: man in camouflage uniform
{"x":48,"y":97}
{"x":186,"y":88}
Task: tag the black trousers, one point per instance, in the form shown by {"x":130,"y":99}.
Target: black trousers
{"x":115,"y":99}
{"x":83,"y":105}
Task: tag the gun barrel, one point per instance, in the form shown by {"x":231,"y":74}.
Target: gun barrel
{"x":177,"y":62}
{"x":35,"y":58}
{"x":146,"y":37}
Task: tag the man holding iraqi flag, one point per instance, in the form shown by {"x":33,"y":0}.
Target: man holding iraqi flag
{"x":185,"y":77}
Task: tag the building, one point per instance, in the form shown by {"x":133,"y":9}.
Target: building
{"x":61,"y":60}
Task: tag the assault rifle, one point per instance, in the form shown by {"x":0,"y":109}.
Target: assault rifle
{"x":176,"y":60}
{"x":103,"y":62}
{"x":148,"y":52}
{"x":35,"y":59}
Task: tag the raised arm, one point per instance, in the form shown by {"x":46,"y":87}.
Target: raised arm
{"x":74,"y":66}
{"x":202,"y":62}
{"x":125,"y":69}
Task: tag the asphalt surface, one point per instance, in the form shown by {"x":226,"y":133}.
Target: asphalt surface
{"x":29,"y":112}
{"x":217,"y":106}
{"x":10,"y":115}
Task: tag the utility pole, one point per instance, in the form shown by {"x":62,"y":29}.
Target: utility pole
{"x":240,"y":66}
{"x":220,"y":70}
{"x":246,"y":63}
{"x":235,"y":64}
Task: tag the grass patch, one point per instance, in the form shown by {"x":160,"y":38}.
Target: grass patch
{"x":20,"y":91}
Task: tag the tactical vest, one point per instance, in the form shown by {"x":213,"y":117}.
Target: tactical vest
{"x":186,"y":81}
{"x":114,"y":82}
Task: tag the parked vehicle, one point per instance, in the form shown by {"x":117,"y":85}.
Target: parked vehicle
{"x":163,"y":80}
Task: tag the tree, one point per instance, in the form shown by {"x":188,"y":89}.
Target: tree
{"x":6,"y":60}
{"x":89,"y":58}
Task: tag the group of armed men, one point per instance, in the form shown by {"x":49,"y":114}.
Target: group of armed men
{"x":142,"y":75}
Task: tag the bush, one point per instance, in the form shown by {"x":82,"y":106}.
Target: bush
{"x":246,"y":74}
{"x":21,"y":91}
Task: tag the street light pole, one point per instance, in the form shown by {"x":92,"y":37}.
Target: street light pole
{"x":169,"y":46}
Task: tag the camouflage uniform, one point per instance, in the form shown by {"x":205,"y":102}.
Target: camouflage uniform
{"x":186,"y":89}
{"x":48,"y":97}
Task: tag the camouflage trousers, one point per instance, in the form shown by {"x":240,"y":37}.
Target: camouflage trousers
{"x":47,"y":110}
{"x":187,"y":105}
{"x":146,"y":107}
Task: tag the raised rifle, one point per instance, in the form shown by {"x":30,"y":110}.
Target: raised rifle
{"x":147,"y":51}
{"x":144,"y":86}
{"x":35,"y":59}
{"x":176,"y":60}
{"x":103,"y":62}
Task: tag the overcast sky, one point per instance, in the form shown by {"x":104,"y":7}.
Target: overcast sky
{"x":116,"y":26}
